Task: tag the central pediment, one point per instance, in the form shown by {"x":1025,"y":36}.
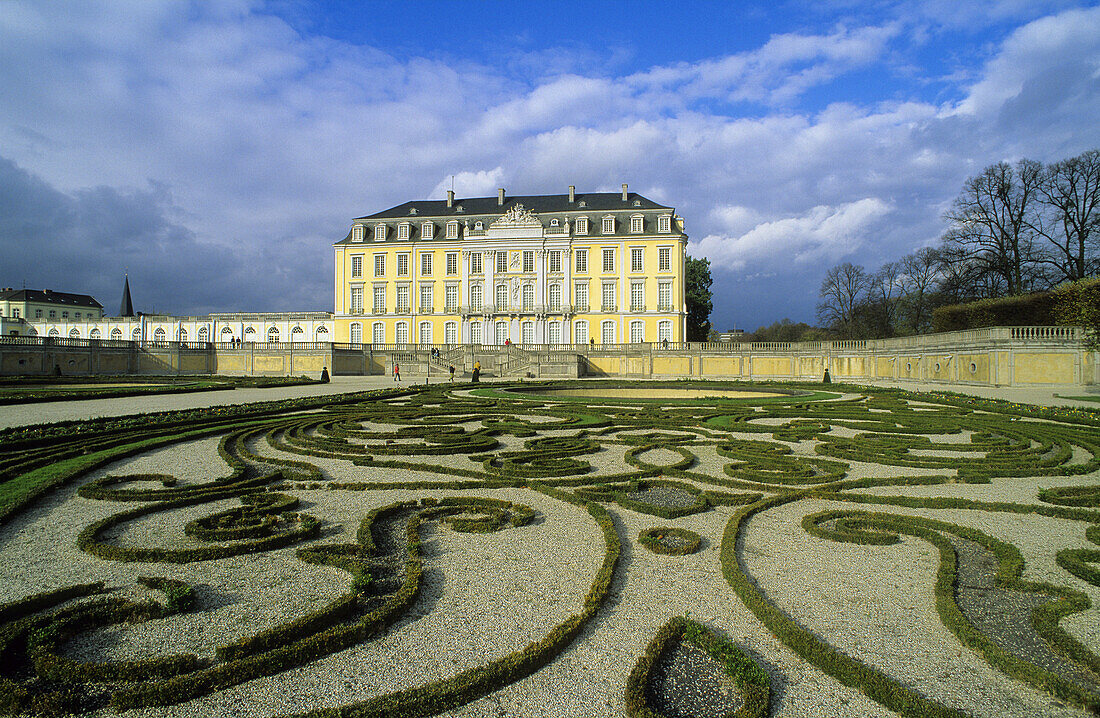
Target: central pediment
{"x":518,"y":221}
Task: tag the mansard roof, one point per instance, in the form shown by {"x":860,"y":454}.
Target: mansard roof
{"x":537,"y":203}
{"x":48,"y":296}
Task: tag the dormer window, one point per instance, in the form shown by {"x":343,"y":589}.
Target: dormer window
{"x":427,"y":230}
{"x":636,"y":224}
{"x":379,"y":232}
{"x":357,"y":233}
{"x":403,"y":230}
{"x":582,"y":203}
{"x":554,"y":223}
{"x":460,"y":208}
{"x":637,"y":203}
{"x":664,"y":223}
{"x":452,"y":230}
{"x":582,"y":225}
{"x":608,"y":225}
{"x":479,"y":225}
{"x":412,"y":210}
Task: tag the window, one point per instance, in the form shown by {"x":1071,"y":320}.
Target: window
{"x":452,"y":263}
{"x":53,"y":314}
{"x":636,"y":224}
{"x":554,"y":222}
{"x":16,"y":315}
{"x":250,"y":334}
{"x":94,"y":333}
{"x":637,"y":296}
{"x":502,"y":332}
{"x":452,"y":230}
{"x":357,"y":233}
{"x":554,"y":297}
{"x":636,"y":259}
{"x":379,"y":306}
{"x":402,"y":299}
{"x":425,"y":334}
{"x":479,"y":225}
{"x":502,"y":261}
{"x":555,"y":260}
{"x":450,"y":298}
{"x":580,"y":297}
{"x":402,"y":333}
{"x":116,"y":334}
{"x":295,"y":334}
{"x":608,"y":260}
{"x":159,"y":335}
{"x":580,"y":261}
{"x":528,"y":261}
{"x":64,"y":315}
{"x":322,"y":333}
{"x":378,"y":333}
{"x":664,"y":223}
{"x":475,"y":263}
{"x":608,"y":225}
{"x":502,"y":297}
{"x":427,"y":230}
{"x":527,"y":333}
{"x":273,"y":335}
{"x":475,"y":332}
{"x":450,"y":333}
{"x":664,"y":297}
{"x":637,"y":332}
{"x":425,"y":265}
{"x":475,"y":297}
{"x":379,"y":232}
{"x":356,"y":267}
{"x":402,"y":265}
{"x":607,"y":332}
{"x":425,"y":299}
{"x":553,"y":332}
{"x":356,"y":300}
{"x":403,"y":230}
{"x":580,"y":332}
{"x":136,"y":334}
{"x":37,"y":313}
{"x":664,"y":330}
{"x":204,"y":334}
{"x":379,"y":265}
{"x":582,"y":225}
{"x":356,"y":333}
{"x":664,"y":259}
{"x":528,"y":293}
{"x":607,"y":297}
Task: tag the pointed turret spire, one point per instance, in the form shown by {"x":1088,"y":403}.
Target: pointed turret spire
{"x":127,"y":309}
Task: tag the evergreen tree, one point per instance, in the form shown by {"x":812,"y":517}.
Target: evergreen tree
{"x":697,"y":296}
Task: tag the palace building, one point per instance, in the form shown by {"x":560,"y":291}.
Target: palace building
{"x":574,"y":268}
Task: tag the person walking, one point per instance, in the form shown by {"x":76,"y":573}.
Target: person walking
{"x":452,"y":370}
{"x":396,"y":371}
{"x":477,"y":371}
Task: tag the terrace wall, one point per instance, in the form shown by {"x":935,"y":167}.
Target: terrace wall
{"x":992,"y":356}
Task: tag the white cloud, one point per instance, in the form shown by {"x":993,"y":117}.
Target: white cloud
{"x":819,"y":237}
{"x":481,"y":183}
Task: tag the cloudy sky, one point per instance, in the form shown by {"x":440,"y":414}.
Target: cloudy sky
{"x":216,"y":150}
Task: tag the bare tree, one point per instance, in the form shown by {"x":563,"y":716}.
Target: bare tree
{"x":883,"y":294}
{"x":993,"y":225}
{"x":920,"y":274}
{"x":842,"y":290}
{"x":1070,"y":194}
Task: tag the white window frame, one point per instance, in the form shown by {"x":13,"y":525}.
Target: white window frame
{"x":527,"y":332}
{"x":607,"y":225}
{"x":378,"y":333}
{"x":357,"y":266}
{"x":580,"y":260}
{"x":427,"y":230}
{"x":450,"y":298}
{"x":476,"y":333}
{"x":379,"y":265}
{"x":501,"y":261}
{"x":403,"y":259}
{"x":608,"y":331}
{"x":664,"y":223}
{"x":608,"y":292}
{"x":357,"y":233}
{"x":637,"y":224}
{"x":477,"y":296}
{"x":452,"y":263}
{"x":426,"y":306}
{"x":664,"y":330}
{"x":527,"y":297}
{"x":402,"y":307}
{"x":664,"y":259}
{"x":355,"y":301}
{"x":500,"y":332}
{"x":580,"y":331}
{"x":450,"y":333}
{"x":476,"y":264}
{"x":404,"y":230}
{"x":580,"y":296}
{"x":401,"y":333}
{"x":553,"y":297}
{"x":452,"y":229}
{"x":607,"y":260}
{"x":637,"y":331}
{"x":553,"y":332}
{"x":500,"y":294}
{"x":581,"y":225}
{"x":425,"y":337}
{"x":380,"y":232}
{"x":426,"y":264}
{"x":528,"y":261}
{"x":637,"y":260}
{"x":355,"y":333}
{"x":378,"y":299}
{"x":664,"y":296}
{"x":637,"y":296}
{"x":554,"y":261}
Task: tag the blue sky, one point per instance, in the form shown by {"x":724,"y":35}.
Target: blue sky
{"x":216,"y":150}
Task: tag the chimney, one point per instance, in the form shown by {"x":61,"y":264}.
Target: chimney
{"x":450,"y":198}
{"x":624,"y":191}
{"x":500,"y":196}
{"x":572,"y":194}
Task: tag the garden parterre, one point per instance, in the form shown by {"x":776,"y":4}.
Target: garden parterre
{"x":462,"y":551}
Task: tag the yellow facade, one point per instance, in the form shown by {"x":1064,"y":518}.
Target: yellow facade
{"x":587,"y":269}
